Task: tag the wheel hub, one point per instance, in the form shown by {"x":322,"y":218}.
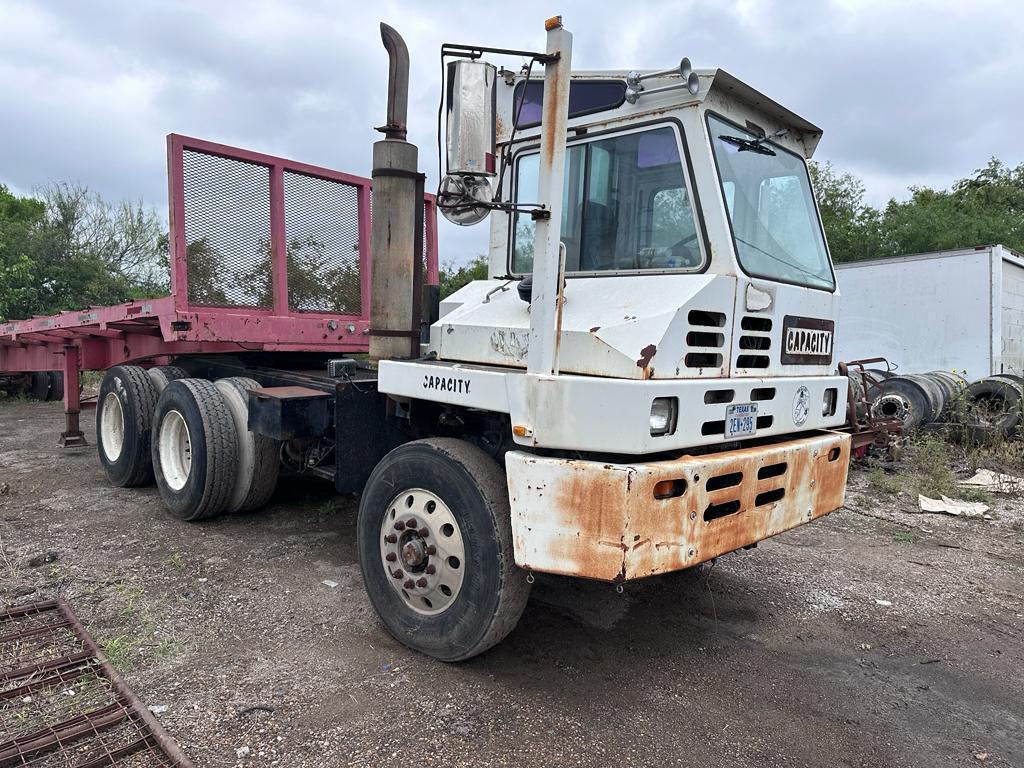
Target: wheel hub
{"x":422,"y":551}
{"x":414,"y":551}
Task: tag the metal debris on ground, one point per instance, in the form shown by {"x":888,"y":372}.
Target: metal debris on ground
{"x":949,"y":506}
{"x":63,"y":704}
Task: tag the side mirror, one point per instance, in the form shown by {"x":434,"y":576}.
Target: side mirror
{"x":471,"y":126}
{"x":471,"y":99}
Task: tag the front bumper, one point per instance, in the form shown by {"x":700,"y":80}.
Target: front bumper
{"x":603,"y":521}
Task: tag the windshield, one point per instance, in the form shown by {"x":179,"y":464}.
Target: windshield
{"x":771,"y":208}
{"x":625,"y":206}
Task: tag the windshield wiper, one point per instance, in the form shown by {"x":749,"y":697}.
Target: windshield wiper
{"x":749,"y":145}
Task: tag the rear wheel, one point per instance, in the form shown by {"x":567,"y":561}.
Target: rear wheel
{"x":162,"y":375}
{"x":194,"y":449}
{"x":259,"y":461}
{"x":56,"y":385}
{"x":39,"y":386}
{"x":124,"y":416}
{"x":435,"y":546}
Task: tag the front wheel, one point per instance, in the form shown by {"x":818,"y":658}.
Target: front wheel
{"x":435,"y":547}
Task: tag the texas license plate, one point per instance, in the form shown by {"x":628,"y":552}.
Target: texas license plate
{"x":741,"y":420}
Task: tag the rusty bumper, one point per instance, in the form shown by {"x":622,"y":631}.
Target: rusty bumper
{"x":624,"y":521}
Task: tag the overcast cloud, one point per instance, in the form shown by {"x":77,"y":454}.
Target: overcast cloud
{"x":907,"y":93}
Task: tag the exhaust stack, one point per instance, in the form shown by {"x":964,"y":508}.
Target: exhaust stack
{"x":397,"y":228}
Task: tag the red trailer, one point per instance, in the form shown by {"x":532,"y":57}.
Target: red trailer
{"x":268,"y":255}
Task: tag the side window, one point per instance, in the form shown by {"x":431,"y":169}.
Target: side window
{"x":625,"y":206}
{"x":671,"y":217}
{"x":527,"y":183}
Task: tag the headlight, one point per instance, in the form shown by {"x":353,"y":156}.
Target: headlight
{"x":663,"y":415}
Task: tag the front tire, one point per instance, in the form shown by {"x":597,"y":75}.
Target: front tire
{"x":425,"y":504}
{"x":194,"y":449}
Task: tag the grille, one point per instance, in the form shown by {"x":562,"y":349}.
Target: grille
{"x":716,"y":427}
{"x":321,"y":224}
{"x":227,"y":231}
{"x":754,"y":342}
{"x":768,"y":490}
{"x":705,"y":339}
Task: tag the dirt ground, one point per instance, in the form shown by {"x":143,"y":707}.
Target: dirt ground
{"x":875,"y":637}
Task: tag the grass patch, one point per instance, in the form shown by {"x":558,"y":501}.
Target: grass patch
{"x":177,"y":561}
{"x":883,"y":482}
{"x":328,"y":508}
{"x":905,"y":537}
{"x":141,"y":631}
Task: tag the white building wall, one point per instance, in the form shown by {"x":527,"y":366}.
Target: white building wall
{"x":923,"y":313}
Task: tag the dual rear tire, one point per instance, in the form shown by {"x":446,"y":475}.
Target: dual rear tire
{"x":188,"y":435}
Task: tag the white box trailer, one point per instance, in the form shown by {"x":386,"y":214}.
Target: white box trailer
{"x":960,"y":310}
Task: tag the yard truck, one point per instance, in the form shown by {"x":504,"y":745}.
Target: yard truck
{"x":644,"y":382}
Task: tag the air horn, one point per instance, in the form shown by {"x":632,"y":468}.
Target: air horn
{"x":635,"y":88}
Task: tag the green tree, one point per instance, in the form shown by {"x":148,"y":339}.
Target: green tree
{"x":851,"y":226}
{"x":67,"y":248}
{"x":21,"y":221}
{"x":984,"y":208}
{"x":453,"y":278}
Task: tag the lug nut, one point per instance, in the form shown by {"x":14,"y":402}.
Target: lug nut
{"x":391,"y":538}
{"x":398,"y":574}
{"x":423,"y":532}
{"x":399,"y":526}
{"x":391,"y":557}
{"x":409,"y":584}
{"x":421,"y":582}
{"x":430,"y":570}
{"x":431,"y":550}
{"x":412,"y":523}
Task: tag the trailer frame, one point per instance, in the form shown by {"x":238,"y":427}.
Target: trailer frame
{"x":158,"y":329}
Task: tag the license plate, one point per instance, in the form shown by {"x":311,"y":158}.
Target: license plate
{"x":741,"y":420}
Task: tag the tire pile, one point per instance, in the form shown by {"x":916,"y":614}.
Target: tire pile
{"x":985,"y":409}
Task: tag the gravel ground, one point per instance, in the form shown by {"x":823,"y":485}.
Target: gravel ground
{"x":875,"y":637}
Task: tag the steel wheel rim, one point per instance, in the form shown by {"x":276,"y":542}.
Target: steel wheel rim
{"x":175,"y":450}
{"x":422,"y":551}
{"x":112,"y":427}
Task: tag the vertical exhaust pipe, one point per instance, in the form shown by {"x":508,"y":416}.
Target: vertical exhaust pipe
{"x":397,"y":236}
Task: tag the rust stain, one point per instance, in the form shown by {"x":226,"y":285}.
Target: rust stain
{"x":645,"y":355}
{"x":595,"y":508}
{"x":551,"y":116}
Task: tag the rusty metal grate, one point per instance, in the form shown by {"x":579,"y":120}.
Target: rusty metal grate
{"x":321,"y":223}
{"x":63,"y":705}
{"x":227,"y":231}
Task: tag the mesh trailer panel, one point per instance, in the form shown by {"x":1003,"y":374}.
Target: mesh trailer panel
{"x":227,"y":231}
{"x":322,"y":235}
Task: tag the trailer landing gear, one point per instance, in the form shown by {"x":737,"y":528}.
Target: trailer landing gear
{"x":435,"y":548}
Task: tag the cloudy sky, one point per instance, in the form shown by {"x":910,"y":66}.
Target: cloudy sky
{"x":907,"y":92}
